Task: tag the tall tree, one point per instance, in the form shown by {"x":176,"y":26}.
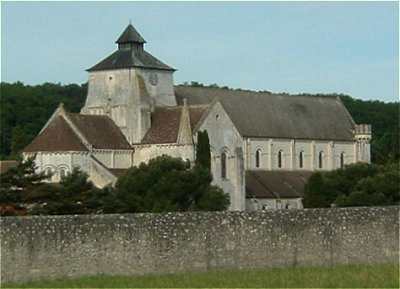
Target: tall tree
{"x":203,"y":152}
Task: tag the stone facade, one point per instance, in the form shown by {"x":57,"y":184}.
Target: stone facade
{"x":52,"y":247}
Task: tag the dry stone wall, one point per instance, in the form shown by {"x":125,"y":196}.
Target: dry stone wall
{"x":71,"y":246}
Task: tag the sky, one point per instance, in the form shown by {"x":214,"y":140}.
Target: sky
{"x":294,"y":47}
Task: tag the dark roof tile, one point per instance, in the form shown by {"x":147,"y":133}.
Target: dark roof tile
{"x":276,"y":184}
{"x":257,"y":114}
{"x":129,"y":35}
{"x":129,"y":58}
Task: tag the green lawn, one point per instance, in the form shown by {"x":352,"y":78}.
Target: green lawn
{"x":350,"y":276}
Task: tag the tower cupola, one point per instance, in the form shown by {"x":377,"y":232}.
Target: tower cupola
{"x":130,"y":39}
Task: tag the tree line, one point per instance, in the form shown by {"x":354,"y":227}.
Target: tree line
{"x":25,"y":109}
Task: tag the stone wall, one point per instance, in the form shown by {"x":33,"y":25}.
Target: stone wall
{"x":71,"y":246}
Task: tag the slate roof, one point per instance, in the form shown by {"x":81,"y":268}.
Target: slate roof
{"x":129,"y":35}
{"x":127,"y":58}
{"x":100,"y":131}
{"x":276,"y":184}
{"x":165,"y":122}
{"x":257,"y":114}
{"x":57,"y":136}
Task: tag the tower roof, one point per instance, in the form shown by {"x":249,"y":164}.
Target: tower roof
{"x":130,"y":35}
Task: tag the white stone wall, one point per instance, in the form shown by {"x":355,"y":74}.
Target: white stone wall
{"x":163,"y":92}
{"x":273,"y":204}
{"x":59,"y":161}
{"x":224,"y":137}
{"x":116,"y":159}
{"x":269,"y":150}
{"x":127,"y":96}
{"x":143,"y":153}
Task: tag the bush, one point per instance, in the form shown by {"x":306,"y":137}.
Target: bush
{"x":168,"y":184}
{"x":356,"y":185}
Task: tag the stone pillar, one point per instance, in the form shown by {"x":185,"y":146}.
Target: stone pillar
{"x":312,"y":155}
{"x":270,"y":144}
{"x":292,"y":154}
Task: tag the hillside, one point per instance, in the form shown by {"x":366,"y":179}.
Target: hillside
{"x":25,"y":109}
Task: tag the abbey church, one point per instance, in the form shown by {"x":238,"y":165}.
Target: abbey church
{"x":264,"y":146}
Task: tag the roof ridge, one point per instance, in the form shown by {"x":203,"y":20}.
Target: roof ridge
{"x":321,"y":95}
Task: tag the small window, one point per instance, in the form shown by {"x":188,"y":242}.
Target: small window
{"x":49,"y":172}
{"x":280,"y":159}
{"x":217,"y":116}
{"x":301,"y":160}
{"x":342,"y":160}
{"x":223,"y":165}
{"x":321,"y":160}
{"x":62,"y":173}
{"x":258,"y":156}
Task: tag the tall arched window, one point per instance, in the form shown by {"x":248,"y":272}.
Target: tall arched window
{"x":279,"y":159}
{"x":223,"y":165}
{"x":301,"y":159}
{"x":258,"y":156}
{"x":342,"y":160}
{"x":320,"y":159}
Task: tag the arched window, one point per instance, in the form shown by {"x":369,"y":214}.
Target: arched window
{"x":49,"y":172}
{"x":280,"y":159}
{"x":223,"y":165}
{"x":342,"y":160}
{"x":258,"y":156}
{"x":301,"y":159}
{"x":320,"y":159}
{"x":63,"y":173}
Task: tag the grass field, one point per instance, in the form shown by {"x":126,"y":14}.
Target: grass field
{"x":350,"y":276}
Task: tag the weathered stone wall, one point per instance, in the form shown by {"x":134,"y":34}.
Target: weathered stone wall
{"x":72,"y":246}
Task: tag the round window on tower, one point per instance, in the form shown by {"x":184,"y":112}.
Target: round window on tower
{"x":153,"y":79}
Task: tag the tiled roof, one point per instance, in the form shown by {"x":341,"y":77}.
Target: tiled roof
{"x":100,"y":131}
{"x":164,"y":126}
{"x":57,"y":136}
{"x":258,"y":114}
{"x":196,"y":113}
{"x":165,"y":123}
{"x":276,"y":184}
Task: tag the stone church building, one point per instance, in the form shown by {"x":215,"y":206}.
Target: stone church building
{"x":264,"y":146}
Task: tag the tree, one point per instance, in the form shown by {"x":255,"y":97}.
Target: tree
{"x":358,"y":184}
{"x":168,"y":184}
{"x":73,"y":195}
{"x":15,"y":183}
{"x":203,"y":153}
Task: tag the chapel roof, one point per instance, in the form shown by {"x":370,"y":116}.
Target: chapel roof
{"x":276,"y":184}
{"x":261,"y":114}
{"x":57,"y":136}
{"x":166,"y":121}
{"x":100,"y":131}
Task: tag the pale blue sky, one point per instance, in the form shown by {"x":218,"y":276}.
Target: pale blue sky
{"x":343,"y":47}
